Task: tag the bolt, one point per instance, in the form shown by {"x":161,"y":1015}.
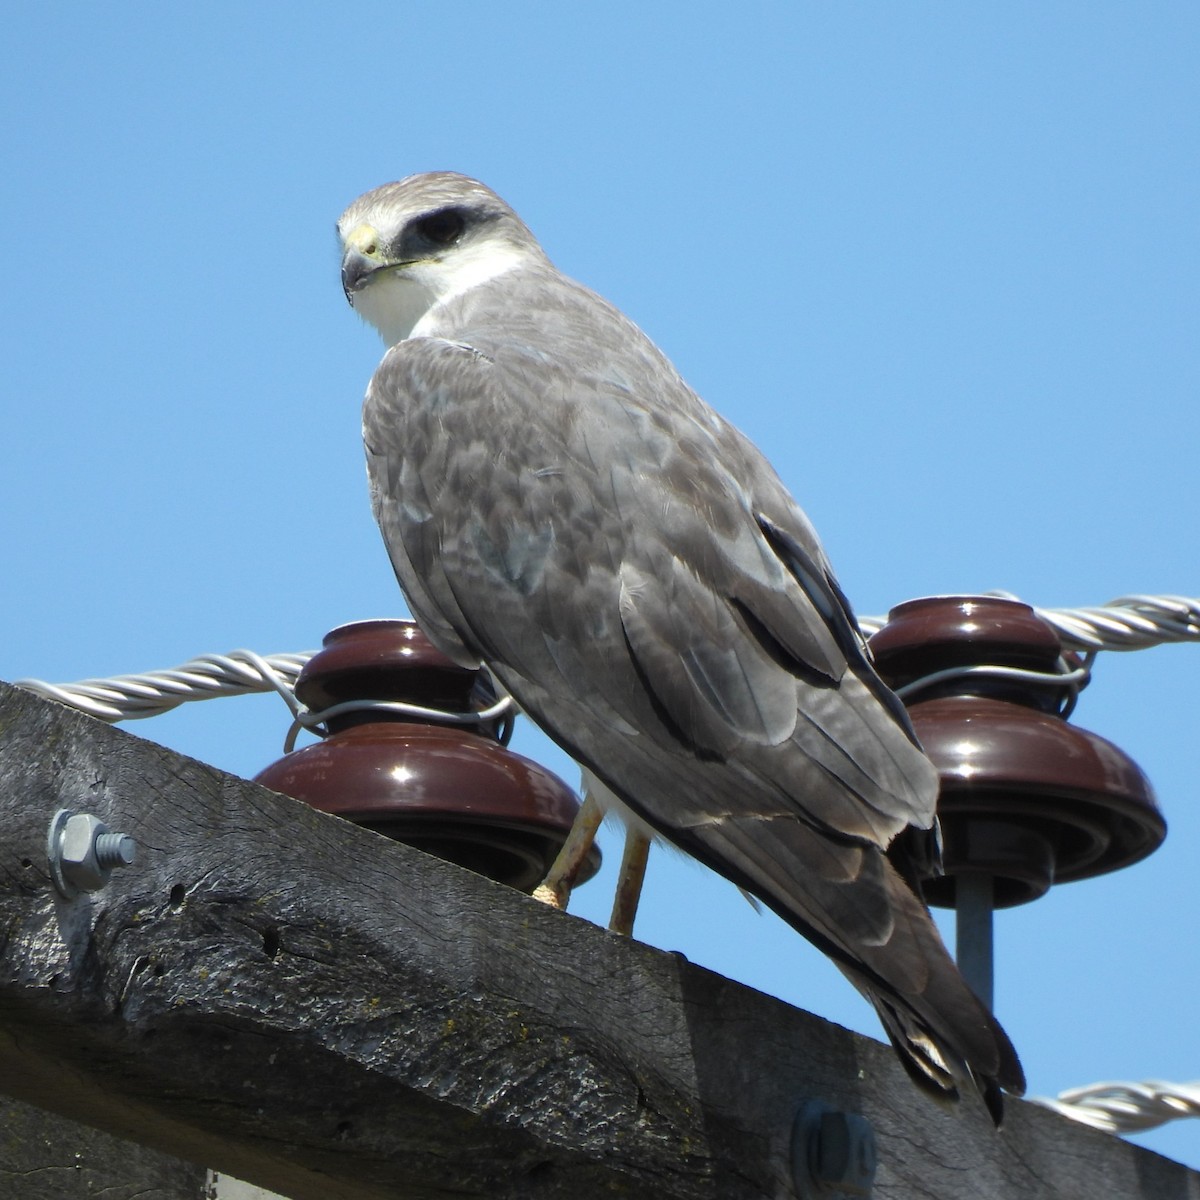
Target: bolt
{"x":833,"y":1153}
{"x":83,"y":852}
{"x":115,"y":850}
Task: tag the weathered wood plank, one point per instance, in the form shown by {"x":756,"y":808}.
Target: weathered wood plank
{"x":301,"y":1003}
{"x":46,"y":1157}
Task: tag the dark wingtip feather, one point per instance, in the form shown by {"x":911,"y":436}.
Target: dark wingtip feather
{"x":993,"y":1097}
{"x":937,"y":1070}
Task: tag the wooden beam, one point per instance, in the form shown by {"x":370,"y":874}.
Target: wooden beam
{"x":46,"y":1157}
{"x":309,"y":1007}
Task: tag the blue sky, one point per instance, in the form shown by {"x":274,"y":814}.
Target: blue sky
{"x":940,"y":261}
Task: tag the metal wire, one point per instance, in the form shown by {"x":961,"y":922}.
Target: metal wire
{"x":134,"y":697}
{"x":1127,"y":1107}
{"x":1128,"y":623}
{"x":1067,"y":679}
{"x":315,"y":722}
{"x":239,"y":673}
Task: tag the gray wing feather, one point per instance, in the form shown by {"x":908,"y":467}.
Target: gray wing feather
{"x":647,"y":556}
{"x":717,"y":689}
{"x":634,"y":573}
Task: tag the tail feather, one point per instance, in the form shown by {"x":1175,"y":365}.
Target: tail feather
{"x":849,"y":900}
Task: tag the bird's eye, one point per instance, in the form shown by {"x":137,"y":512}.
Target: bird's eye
{"x":441,"y":228}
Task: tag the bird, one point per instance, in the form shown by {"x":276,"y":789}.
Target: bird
{"x":561,"y":508}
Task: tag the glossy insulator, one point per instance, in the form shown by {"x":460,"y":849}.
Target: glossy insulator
{"x":450,"y":789}
{"x":1026,"y":797}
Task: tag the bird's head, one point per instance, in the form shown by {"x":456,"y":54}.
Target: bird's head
{"x":410,"y":246}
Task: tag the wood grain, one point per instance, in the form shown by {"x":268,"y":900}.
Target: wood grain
{"x":303,"y":1004}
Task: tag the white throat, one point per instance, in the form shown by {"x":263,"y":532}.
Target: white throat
{"x":393,"y":303}
{"x":407,"y":301}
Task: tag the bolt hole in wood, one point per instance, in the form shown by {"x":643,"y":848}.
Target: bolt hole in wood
{"x":271,"y":941}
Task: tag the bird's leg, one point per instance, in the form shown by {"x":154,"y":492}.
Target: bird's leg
{"x":629,"y":882}
{"x":555,"y":889}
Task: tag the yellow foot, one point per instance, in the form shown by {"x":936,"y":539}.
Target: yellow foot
{"x":548,"y":893}
{"x":555,"y":889}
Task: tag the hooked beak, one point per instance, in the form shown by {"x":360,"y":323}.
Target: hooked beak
{"x":357,"y":269}
{"x":361,"y":258}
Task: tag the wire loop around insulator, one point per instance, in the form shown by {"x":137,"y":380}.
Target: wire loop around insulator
{"x":314,"y":721}
{"x":1068,"y":679}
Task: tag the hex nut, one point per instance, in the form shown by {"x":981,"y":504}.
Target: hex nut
{"x":82,"y":852}
{"x":77,"y":851}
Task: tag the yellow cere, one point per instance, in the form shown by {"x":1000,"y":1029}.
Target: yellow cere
{"x":364,"y":238}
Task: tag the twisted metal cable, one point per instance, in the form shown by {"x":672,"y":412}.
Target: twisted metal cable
{"x":1126,"y":1107}
{"x":1128,"y":623}
{"x":238,"y":673}
{"x":134,"y":697}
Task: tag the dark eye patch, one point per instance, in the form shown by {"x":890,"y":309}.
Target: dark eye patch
{"x":442,"y":228}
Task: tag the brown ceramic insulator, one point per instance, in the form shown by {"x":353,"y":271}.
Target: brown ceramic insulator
{"x":940,"y":632}
{"x":1025,"y":797}
{"x":451,"y":790}
{"x":386,"y":660}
